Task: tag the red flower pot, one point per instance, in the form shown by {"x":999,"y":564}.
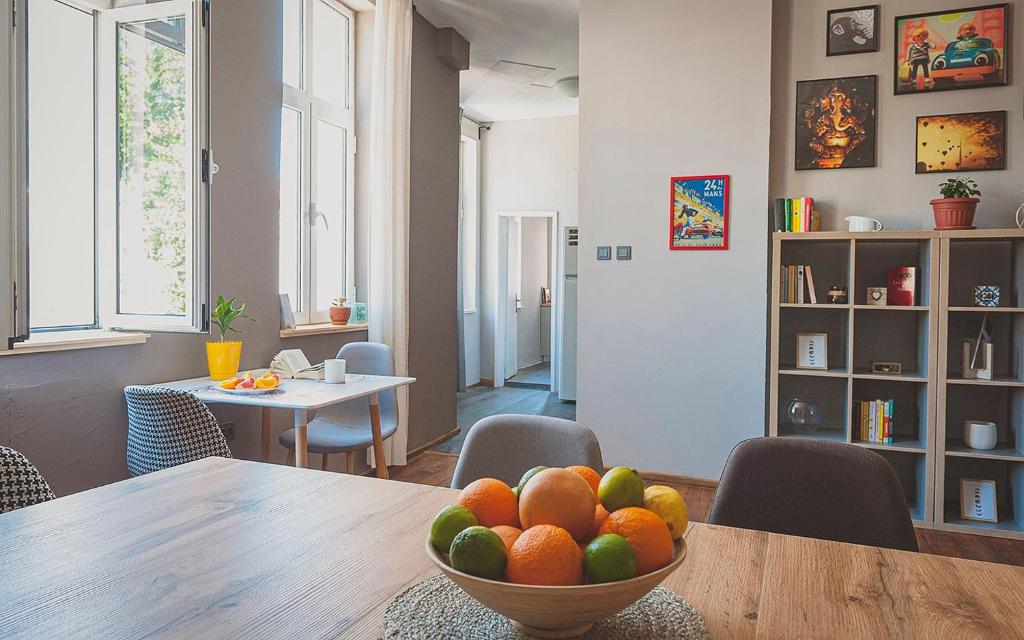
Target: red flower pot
{"x":954,"y":213}
{"x":340,"y":315}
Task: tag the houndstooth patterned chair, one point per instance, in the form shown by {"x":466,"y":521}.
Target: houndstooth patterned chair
{"x":167,"y":428}
{"x":21,"y":484}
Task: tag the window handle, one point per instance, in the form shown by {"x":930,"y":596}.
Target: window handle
{"x":316,"y":215}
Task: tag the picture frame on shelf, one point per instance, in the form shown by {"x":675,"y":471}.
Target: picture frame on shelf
{"x":836,"y":122}
{"x":852,"y":30}
{"x":812,"y":351}
{"x":978,"y":500}
{"x":952,"y":49}
{"x":960,"y":142}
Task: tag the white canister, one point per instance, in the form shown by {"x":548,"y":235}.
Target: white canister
{"x":979,"y":434}
{"x":334,"y":371}
{"x":864,"y":223}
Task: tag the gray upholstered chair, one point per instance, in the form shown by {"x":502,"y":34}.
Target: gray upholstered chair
{"x":507,"y":446}
{"x":345,"y":428}
{"x":167,"y":428}
{"x":21,"y":484}
{"x":814,"y":489}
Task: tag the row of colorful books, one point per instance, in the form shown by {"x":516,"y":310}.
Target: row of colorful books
{"x":876,"y":421}
{"x":797,"y":286}
{"x":796,"y":215}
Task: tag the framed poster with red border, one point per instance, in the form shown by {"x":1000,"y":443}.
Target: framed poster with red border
{"x":699,"y":213}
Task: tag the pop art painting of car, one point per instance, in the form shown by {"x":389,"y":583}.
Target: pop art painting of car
{"x":962,"y":58}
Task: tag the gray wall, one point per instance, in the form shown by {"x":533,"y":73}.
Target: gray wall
{"x":672,"y":343}
{"x":891,"y":192}
{"x":66,"y":410}
{"x":433,"y":240}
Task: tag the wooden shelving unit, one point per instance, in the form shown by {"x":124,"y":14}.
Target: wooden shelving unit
{"x":932,"y":399}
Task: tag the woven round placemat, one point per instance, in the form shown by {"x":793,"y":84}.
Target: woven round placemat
{"x":437,"y":609}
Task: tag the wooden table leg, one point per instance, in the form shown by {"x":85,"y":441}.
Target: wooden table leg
{"x":378,"y":441}
{"x":265,"y":434}
{"x":301,"y":450}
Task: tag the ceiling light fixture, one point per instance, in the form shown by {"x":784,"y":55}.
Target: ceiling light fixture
{"x":568,"y":87}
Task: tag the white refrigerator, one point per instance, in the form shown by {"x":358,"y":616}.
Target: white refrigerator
{"x":570,"y":281}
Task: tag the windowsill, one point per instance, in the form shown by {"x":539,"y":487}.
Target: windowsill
{"x":321,"y":329}
{"x":71,"y":340}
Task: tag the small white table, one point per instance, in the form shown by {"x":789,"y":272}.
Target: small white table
{"x":303,"y":396}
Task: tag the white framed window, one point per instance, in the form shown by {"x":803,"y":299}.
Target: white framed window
{"x":469,"y":214}
{"x":116,"y":167}
{"x":318,"y":145}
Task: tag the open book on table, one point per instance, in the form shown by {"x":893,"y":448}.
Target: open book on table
{"x":292,"y":363}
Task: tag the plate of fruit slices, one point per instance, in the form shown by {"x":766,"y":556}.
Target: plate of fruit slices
{"x":249,"y":385}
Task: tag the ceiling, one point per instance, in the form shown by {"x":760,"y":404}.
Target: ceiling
{"x":542,"y":33}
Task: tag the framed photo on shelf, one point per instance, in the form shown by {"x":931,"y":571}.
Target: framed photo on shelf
{"x":835,"y":123}
{"x":978,"y":500}
{"x":699,"y":213}
{"x":961,"y":142}
{"x":953,"y":49}
{"x":851,"y":30}
{"x":812,"y":351}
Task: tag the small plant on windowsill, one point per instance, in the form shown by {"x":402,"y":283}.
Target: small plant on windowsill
{"x":340,"y":312}
{"x":958,"y":204}
{"x":223,"y":356}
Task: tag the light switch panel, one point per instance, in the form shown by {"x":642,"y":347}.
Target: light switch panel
{"x":604,"y":253}
{"x":624,"y":252}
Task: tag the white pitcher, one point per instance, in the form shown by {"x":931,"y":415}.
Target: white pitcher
{"x":864,"y":223}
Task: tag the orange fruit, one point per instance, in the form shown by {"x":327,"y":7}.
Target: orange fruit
{"x":600,"y":515}
{"x":545,"y":555}
{"x":508,"y":534}
{"x":558,"y":497}
{"x":592,"y":477}
{"x":646,"y":532}
{"x":491,"y":501}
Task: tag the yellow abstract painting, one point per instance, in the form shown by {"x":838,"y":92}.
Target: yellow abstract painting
{"x":961,"y":142}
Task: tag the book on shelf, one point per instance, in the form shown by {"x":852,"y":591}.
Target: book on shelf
{"x":795,"y":215}
{"x":876,"y":421}
{"x":796,"y":284}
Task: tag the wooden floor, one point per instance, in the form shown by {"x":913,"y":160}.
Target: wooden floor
{"x":436,"y":468}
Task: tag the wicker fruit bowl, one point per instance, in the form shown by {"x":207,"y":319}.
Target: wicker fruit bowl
{"x":557,"y":612}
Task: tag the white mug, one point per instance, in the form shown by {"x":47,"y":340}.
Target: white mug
{"x":334,"y":371}
{"x":864,"y":223}
{"x":980,"y":434}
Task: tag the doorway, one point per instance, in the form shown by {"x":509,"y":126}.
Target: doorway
{"x":526,"y":351}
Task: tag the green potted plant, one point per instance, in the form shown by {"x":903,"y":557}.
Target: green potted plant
{"x":959,"y":201}
{"x":222,"y":355}
{"x":340,"y":313}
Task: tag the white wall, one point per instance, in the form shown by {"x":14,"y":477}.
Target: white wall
{"x":536,"y":256}
{"x":891,"y":191}
{"x":672,"y":344}
{"x":528,"y":165}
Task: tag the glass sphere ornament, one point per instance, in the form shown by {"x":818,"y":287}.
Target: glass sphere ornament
{"x":803,"y":415}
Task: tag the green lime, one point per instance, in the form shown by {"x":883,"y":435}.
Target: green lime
{"x":515,"y":491}
{"x":479,"y":552}
{"x":621,"y":487}
{"x":526,"y":477}
{"x":609,"y":558}
{"x":449,"y":523}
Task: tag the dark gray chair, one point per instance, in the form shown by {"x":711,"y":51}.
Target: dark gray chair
{"x":21,"y":484}
{"x":167,"y":428}
{"x":345,"y":428}
{"x":507,"y":446}
{"x":814,"y":489}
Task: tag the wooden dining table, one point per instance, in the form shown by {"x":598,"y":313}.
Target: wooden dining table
{"x":223,"y":548}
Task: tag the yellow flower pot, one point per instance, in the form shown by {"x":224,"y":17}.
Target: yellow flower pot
{"x":223,"y":359}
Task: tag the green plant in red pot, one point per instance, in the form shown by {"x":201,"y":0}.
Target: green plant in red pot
{"x":223,"y":356}
{"x":956,"y":208}
{"x":340,"y":313}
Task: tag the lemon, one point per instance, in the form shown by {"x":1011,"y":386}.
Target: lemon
{"x":479,"y":552}
{"x":670,"y":507}
{"x":450,"y":522}
{"x":526,"y":477}
{"x":609,"y":558}
{"x":621,"y":487}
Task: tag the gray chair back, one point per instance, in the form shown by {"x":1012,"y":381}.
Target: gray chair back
{"x":21,"y":484}
{"x":814,"y":489}
{"x":167,"y":428}
{"x":507,"y":446}
{"x":367,"y":358}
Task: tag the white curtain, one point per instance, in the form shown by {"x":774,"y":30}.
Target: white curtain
{"x":388,"y":297}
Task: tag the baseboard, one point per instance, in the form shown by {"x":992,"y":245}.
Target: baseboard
{"x":484,"y":382}
{"x":433,"y":443}
{"x":672,"y":478}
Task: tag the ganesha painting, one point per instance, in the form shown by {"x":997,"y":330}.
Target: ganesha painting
{"x":835,"y":123}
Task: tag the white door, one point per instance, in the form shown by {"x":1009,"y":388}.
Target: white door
{"x":514,"y":299}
